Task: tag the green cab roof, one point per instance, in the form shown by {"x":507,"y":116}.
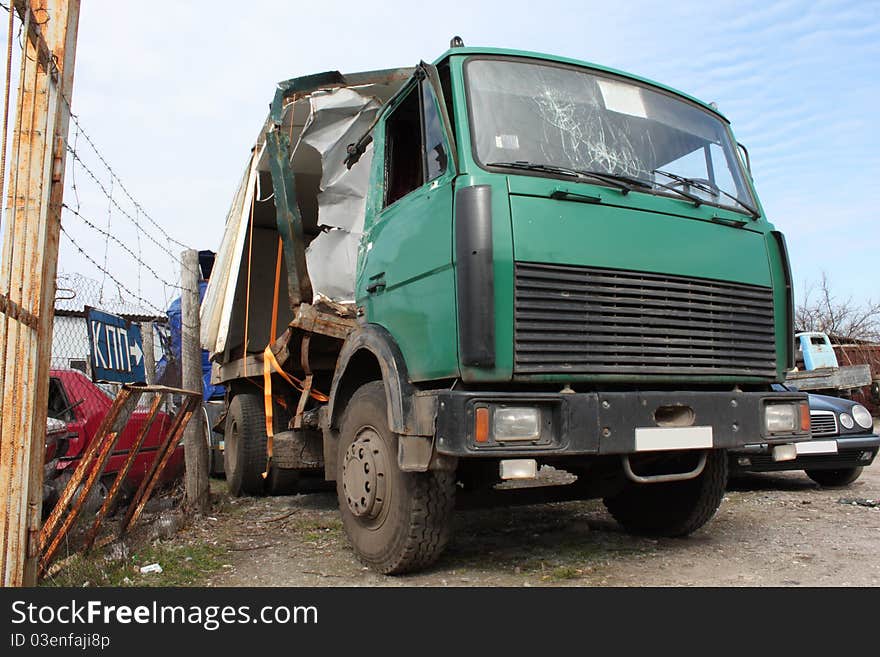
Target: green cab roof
{"x":465,"y":51}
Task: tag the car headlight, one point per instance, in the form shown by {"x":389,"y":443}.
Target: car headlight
{"x":517,"y":424}
{"x":786,"y":417}
{"x":862,"y":416}
{"x":846,"y":420}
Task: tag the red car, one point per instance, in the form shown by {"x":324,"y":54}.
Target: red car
{"x":82,"y":405}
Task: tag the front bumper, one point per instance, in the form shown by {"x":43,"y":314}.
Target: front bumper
{"x":606,"y":422}
{"x":855,"y":450}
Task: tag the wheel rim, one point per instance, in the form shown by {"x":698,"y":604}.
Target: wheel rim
{"x":364,"y":474}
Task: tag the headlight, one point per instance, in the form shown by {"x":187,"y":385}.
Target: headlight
{"x":781,"y":418}
{"x":846,"y":420}
{"x":517,"y":424}
{"x":786,"y":417}
{"x":862,"y":416}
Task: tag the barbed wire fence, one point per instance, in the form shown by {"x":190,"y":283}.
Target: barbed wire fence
{"x":112,"y":256}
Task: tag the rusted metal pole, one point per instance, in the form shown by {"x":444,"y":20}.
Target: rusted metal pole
{"x":27,"y":274}
{"x":195,"y":445}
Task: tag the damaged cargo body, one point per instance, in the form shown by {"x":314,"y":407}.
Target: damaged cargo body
{"x":438,"y":278}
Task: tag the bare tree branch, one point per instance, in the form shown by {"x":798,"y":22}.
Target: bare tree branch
{"x":844,"y":319}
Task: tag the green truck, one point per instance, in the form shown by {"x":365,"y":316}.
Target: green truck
{"x":439,"y":278}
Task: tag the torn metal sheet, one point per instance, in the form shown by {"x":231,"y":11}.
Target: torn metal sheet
{"x":318,"y":116}
{"x":338,"y":117}
{"x":332,"y":259}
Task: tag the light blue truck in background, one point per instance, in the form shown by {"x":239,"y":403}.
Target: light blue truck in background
{"x":817,"y":369}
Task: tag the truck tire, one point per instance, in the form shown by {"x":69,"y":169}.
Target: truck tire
{"x":835,"y":478}
{"x":396,"y":521}
{"x":282,"y":481}
{"x":244,"y":456}
{"x":672,"y":509}
{"x":210,"y":414}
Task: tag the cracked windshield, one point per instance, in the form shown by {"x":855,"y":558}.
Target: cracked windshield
{"x":535,"y":116}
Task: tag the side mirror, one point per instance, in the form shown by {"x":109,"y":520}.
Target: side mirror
{"x":745,"y":157}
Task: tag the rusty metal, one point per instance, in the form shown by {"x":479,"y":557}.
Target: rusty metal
{"x":94,"y":469}
{"x":14,"y":311}
{"x":90,"y":469}
{"x":27,"y":275}
{"x":87,"y":473}
{"x":13,"y":473}
{"x":6,"y":106}
{"x":162,"y":457}
{"x":113,"y":493}
{"x":32,"y":26}
{"x":108,"y":424}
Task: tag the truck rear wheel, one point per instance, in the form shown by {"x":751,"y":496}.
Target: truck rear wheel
{"x":396,"y":521}
{"x":672,"y":509}
{"x":244,"y":454}
{"x":835,"y":478}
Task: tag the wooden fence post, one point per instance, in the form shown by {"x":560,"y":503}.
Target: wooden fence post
{"x":195,"y":445}
{"x":149,"y":352}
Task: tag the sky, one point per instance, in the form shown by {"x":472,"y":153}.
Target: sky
{"x":173,"y":95}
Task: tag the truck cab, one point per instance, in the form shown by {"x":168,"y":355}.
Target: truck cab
{"x":814,"y":351}
{"x":558,"y":264}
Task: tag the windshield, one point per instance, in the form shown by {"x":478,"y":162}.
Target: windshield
{"x":545,"y":114}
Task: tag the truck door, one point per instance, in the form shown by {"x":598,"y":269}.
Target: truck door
{"x":406,"y":280}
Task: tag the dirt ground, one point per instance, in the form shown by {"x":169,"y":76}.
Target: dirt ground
{"x":771,"y":530}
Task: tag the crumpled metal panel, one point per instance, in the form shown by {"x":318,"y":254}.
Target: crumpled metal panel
{"x":338,"y":117}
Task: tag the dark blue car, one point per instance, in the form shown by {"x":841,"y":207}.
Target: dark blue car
{"x":843,"y":442}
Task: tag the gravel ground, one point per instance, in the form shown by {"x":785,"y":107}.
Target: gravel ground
{"x":771,"y":530}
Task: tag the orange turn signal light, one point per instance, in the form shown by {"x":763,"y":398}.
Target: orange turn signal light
{"x":805,"y":417}
{"x":481,"y":425}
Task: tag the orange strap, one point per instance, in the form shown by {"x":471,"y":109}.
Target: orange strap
{"x":271,"y":363}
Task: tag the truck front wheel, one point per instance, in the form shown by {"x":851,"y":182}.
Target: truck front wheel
{"x":396,"y":521}
{"x":672,"y":509}
{"x":244,"y":454}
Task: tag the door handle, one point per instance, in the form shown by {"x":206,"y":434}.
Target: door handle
{"x":377,"y":283}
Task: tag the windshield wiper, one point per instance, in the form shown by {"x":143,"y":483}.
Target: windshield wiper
{"x":714,"y":190}
{"x":622,"y":183}
{"x":533,"y":166}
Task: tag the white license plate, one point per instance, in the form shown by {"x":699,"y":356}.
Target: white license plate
{"x":655,"y":439}
{"x":817,"y":447}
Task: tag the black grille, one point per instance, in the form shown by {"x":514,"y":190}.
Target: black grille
{"x":845,"y":458}
{"x":585,"y":320}
{"x":822,"y":423}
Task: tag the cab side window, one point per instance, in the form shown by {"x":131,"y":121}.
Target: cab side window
{"x":415,"y":150}
{"x":403,"y":149}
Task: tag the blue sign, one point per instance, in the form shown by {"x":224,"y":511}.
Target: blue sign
{"x":115,"y":348}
